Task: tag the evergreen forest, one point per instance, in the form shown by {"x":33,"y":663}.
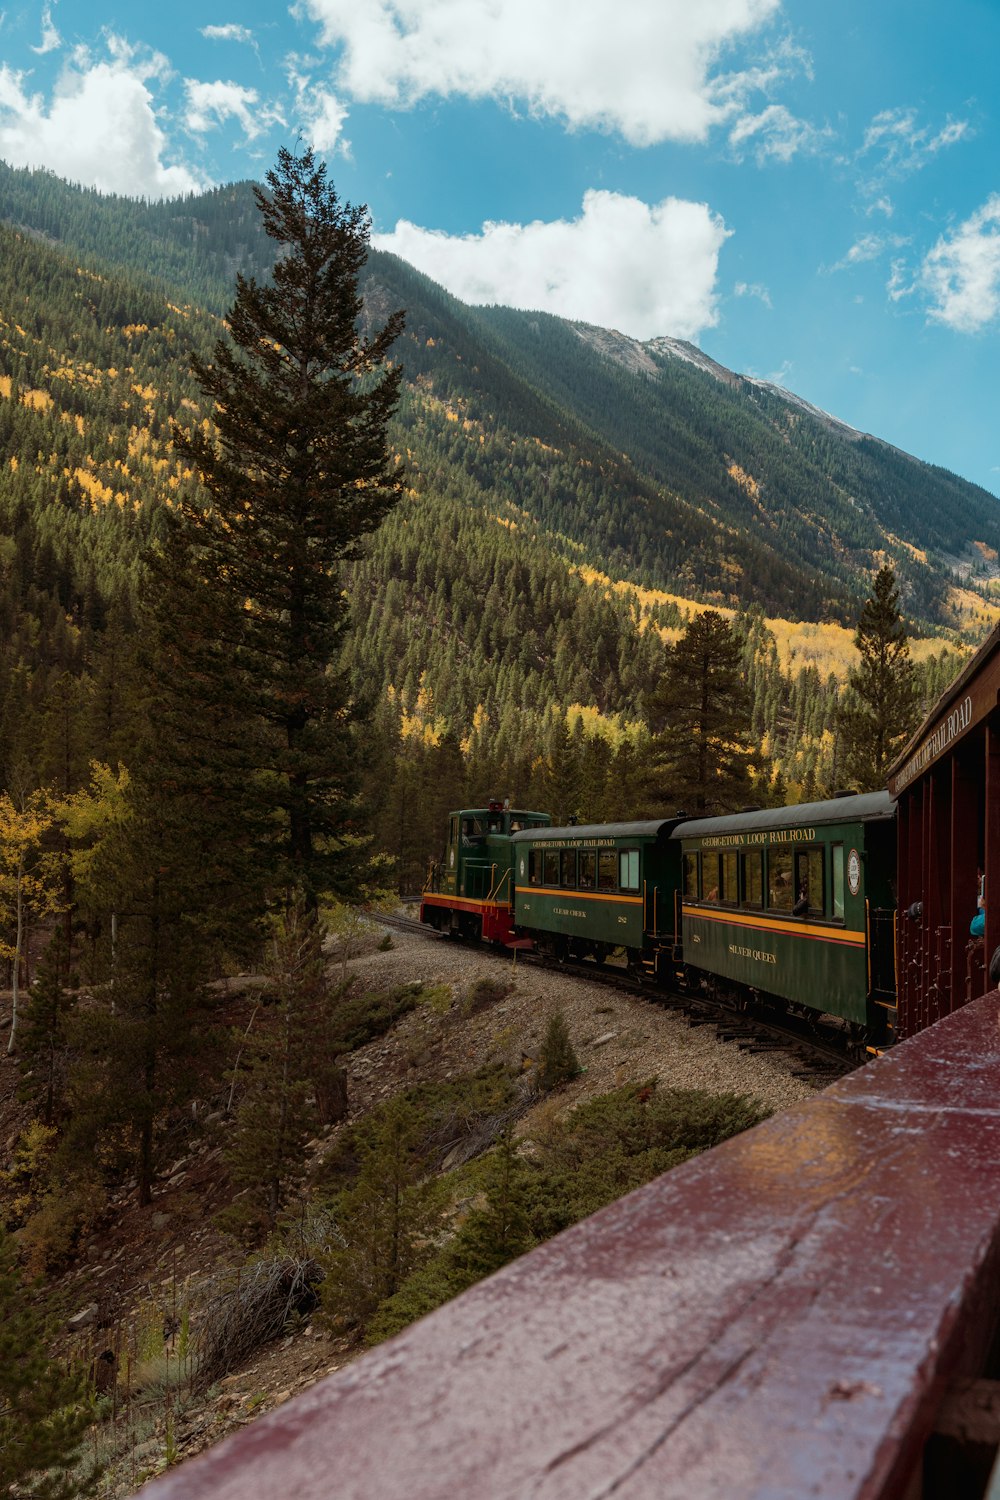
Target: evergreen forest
{"x":235,"y":691}
{"x":570,"y":504}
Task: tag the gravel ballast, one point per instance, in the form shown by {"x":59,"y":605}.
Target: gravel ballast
{"x":618,"y":1038}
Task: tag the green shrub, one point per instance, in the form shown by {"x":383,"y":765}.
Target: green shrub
{"x":66,"y":1213}
{"x":617,"y":1142}
{"x":384,"y":1219}
{"x":359,"y":1019}
{"x":483,"y":993}
{"x":493,"y":1233}
{"x":438,"y":999}
{"x":23,"y":1184}
{"x":605,"y":1148}
{"x":428,"y":1288}
{"x":557,"y":1062}
{"x":471,"y":1108}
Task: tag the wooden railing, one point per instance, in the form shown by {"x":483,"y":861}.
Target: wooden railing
{"x":809,"y":1309}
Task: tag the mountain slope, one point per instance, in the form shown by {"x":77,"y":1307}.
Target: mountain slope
{"x":647,"y":461}
{"x":761,"y":461}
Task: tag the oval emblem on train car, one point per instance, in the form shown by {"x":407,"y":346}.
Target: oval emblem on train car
{"x":451,"y":857}
{"x":854,"y":872}
{"x":522,"y":869}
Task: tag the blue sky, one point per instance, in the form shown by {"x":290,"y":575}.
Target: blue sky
{"x":810,"y":192}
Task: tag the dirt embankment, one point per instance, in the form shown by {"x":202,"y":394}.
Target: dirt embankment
{"x":134,"y":1279}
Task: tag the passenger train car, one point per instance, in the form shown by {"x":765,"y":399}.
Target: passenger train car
{"x":793,"y":908}
{"x":797,"y":905}
{"x":582,"y":892}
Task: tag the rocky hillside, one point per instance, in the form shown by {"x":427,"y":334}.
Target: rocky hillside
{"x":137,"y":1294}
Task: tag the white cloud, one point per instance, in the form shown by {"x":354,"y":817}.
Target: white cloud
{"x":321,"y":113}
{"x":868,"y":248}
{"x":906,"y":146}
{"x":323,"y":116}
{"x":99,"y":127}
{"x":961,"y":274}
{"x":900,"y":283}
{"x":776,"y":133}
{"x":622,"y":264}
{"x":50,"y":36}
{"x":229,"y":33}
{"x":641,"y":67}
{"x":211,"y":104}
{"x":784,"y":60}
{"x":753,"y":289}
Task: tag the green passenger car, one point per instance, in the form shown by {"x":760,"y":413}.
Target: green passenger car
{"x":797,"y":904}
{"x":582,"y":892}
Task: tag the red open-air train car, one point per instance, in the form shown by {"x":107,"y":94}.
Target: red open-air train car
{"x":947,"y":787}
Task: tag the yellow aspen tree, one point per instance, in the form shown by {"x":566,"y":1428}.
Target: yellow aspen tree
{"x":29,"y":881}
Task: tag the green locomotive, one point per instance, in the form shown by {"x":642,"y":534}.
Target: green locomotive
{"x":470,"y":892}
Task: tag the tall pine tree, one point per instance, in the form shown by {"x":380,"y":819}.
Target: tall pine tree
{"x":700,"y":716}
{"x":881,"y":705}
{"x":251,"y":606}
{"x":43,"y":1409}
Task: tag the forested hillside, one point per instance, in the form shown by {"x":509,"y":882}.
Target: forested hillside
{"x":276,"y":597}
{"x":657,"y":463}
{"x":196,"y":244}
{"x":572,"y":496}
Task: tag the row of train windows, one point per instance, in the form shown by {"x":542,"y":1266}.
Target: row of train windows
{"x":793,"y":880}
{"x":585,"y":869}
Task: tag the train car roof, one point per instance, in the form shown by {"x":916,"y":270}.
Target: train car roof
{"x":649,"y":829}
{"x":963,"y":705}
{"x":487,"y":811}
{"x":861,"y":807}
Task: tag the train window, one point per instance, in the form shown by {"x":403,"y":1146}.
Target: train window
{"x":691,"y":889}
{"x":838,"y":882}
{"x":809,"y":882}
{"x":551,"y":867}
{"x":710,"y":877}
{"x":628,"y":869}
{"x":535,"y":867}
{"x":779,"y":879}
{"x":753,"y":878}
{"x":567,"y":867}
{"x":588,"y":869}
{"x":607,"y":870}
{"x":728,"y":889}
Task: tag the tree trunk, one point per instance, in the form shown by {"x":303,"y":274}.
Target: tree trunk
{"x":145,"y":1165}
{"x":15,"y":987}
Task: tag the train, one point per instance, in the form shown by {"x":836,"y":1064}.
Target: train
{"x":792,"y":909}
{"x":860,"y":906}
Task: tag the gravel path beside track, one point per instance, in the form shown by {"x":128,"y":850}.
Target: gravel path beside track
{"x":618,"y":1038}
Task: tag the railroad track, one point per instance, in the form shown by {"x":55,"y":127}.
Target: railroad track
{"x":817,"y":1058}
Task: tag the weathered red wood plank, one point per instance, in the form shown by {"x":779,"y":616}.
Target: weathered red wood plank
{"x":776,"y":1318}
